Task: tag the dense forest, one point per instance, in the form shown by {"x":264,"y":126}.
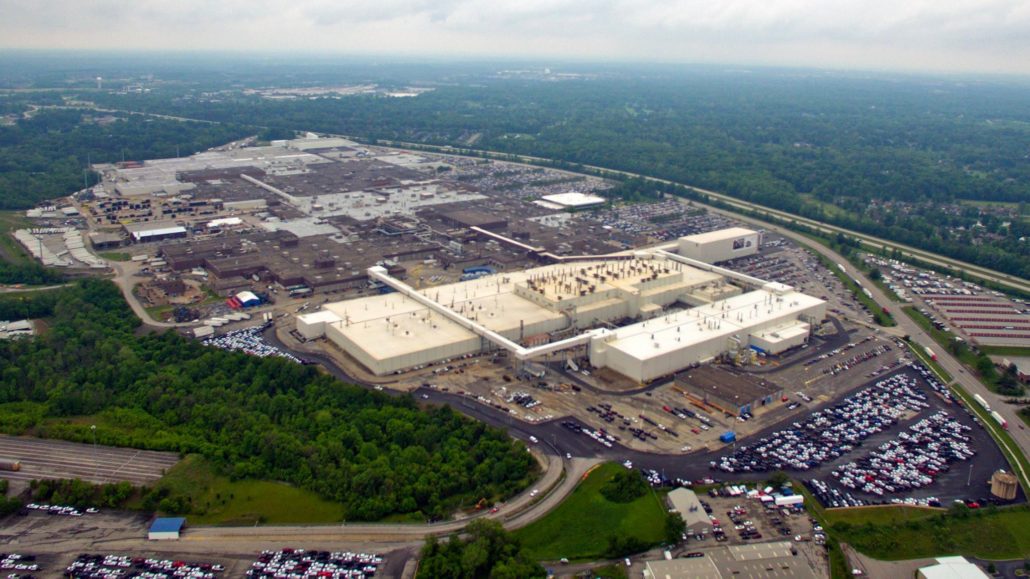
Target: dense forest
{"x":262,"y":418}
{"x":46,"y":155}
{"x":889,"y":156}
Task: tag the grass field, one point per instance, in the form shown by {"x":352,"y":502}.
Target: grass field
{"x":885,"y":515}
{"x":10,"y":250}
{"x":988,"y":534}
{"x":218,"y":501}
{"x":579,"y":528}
{"x":116,"y":256}
{"x":1005,"y":351}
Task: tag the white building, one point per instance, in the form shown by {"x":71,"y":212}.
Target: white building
{"x":721,"y":245}
{"x":398,"y":331}
{"x":952,"y":568}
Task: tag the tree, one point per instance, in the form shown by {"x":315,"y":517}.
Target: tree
{"x":487,"y":552}
{"x":675,"y":526}
{"x":778,"y":479}
{"x":624,"y":487}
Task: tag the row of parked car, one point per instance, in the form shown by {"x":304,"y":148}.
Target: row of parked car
{"x":18,"y":562}
{"x":911,"y":461}
{"x":844,"y":366}
{"x":832,"y":432}
{"x":100,"y":566}
{"x":64,"y":510}
{"x":301,"y":564}
{"x":249,"y":340}
{"x":600,"y":436}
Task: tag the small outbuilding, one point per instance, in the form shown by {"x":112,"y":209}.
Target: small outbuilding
{"x":689,"y":507}
{"x":166,"y":528}
{"x":248,"y":299}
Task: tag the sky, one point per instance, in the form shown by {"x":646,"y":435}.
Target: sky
{"x":989,"y":36}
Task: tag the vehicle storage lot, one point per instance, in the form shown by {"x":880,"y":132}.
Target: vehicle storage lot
{"x":57,"y":459}
{"x":948,"y":485}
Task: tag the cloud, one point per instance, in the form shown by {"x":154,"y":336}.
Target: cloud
{"x":985,"y":35}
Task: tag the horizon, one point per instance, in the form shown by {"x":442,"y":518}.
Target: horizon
{"x":960,"y":36}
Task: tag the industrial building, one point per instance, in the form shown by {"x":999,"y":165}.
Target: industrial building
{"x":166,"y":528}
{"x":951,"y":568}
{"x":689,"y":507}
{"x":571,"y":201}
{"x":154,"y":231}
{"x":1004,"y":485}
{"x":754,"y":560}
{"x":720,"y":245}
{"x":732,"y":392}
{"x":569,"y":302}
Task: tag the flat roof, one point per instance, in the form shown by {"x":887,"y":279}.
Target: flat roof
{"x":685,"y":502}
{"x":953,"y":568}
{"x":754,"y":560}
{"x":694,"y":568}
{"x":574,"y":199}
{"x":167,"y":525}
{"x":719,"y":235}
{"x":723,"y":318}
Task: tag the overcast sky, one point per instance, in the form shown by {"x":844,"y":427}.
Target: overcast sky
{"x":926,"y":35}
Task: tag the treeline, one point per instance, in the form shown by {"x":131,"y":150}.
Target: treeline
{"x":45,"y":156}
{"x":30,"y":273}
{"x":832,"y":148}
{"x":487,"y":552}
{"x":262,"y":418}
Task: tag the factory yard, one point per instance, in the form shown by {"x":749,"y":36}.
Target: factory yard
{"x":56,"y":459}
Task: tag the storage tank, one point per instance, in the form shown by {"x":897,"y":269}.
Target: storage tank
{"x":10,"y":464}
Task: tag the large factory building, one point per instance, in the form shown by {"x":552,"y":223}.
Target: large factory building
{"x":540,"y":311}
{"x":721,"y":245}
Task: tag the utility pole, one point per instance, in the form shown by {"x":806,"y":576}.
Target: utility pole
{"x":969,"y":478}
{"x":96,"y":462}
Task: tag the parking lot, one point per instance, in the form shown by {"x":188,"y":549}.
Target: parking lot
{"x":250,"y":341}
{"x":906,"y":418}
{"x":57,"y":459}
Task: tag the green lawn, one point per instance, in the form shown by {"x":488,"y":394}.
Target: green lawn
{"x":1005,"y":350}
{"x":579,"y":528}
{"x":10,"y":250}
{"x":886,"y":515}
{"x":1001,"y":534}
{"x":116,"y":256}
{"x":218,"y":501}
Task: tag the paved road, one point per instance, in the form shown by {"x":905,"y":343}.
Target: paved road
{"x":123,"y":279}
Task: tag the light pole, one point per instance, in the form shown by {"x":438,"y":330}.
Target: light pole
{"x":969,"y":478}
{"x":96,"y":462}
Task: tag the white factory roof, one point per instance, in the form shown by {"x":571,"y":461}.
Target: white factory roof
{"x":393,"y":324}
{"x":722,"y":318}
{"x":159,"y":231}
{"x":574,"y":199}
{"x":224,"y":222}
{"x":718,"y":235}
{"x":953,"y":568}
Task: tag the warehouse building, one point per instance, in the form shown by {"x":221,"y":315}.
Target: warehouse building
{"x":689,"y":507}
{"x":732,"y":392}
{"x":166,"y":528}
{"x":951,"y":568}
{"x":399,"y":331}
{"x":154,"y":231}
{"x":721,"y":245}
{"x":756,"y":561}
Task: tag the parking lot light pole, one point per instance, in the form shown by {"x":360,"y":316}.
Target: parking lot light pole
{"x":970,"y":477}
{"x":96,"y":461}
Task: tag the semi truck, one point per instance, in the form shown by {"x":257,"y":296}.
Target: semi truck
{"x":998,"y":418}
{"x":930,"y":353}
{"x":980,"y":400}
